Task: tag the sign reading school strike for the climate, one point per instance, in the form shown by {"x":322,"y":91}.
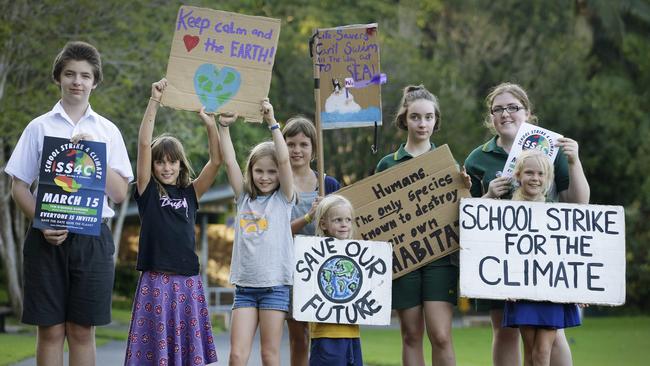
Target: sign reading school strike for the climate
{"x":342,"y":281}
{"x":414,"y":206}
{"x":222,"y":61}
{"x":559,"y":252}
{"x":347,"y":59}
{"x":71,"y":186}
{"x":531,"y":137}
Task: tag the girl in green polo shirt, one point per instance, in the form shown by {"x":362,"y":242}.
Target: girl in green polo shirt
{"x":508,"y":107}
{"x":428,"y":294}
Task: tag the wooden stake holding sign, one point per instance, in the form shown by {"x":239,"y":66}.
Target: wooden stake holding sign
{"x":347,"y":81}
{"x":222,"y":61}
{"x":414,"y":206}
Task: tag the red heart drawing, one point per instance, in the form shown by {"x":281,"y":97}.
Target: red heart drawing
{"x":190,"y":42}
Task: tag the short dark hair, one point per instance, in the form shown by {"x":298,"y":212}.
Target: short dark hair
{"x":78,"y":51}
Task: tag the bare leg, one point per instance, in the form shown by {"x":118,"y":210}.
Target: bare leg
{"x":411,"y":323}
{"x":49,"y":345}
{"x":298,"y":342}
{"x":528,"y":335}
{"x":81,"y":340}
{"x":561,"y":352}
{"x":437,"y":315}
{"x":542,"y":349}
{"x":271,"y":322}
{"x":243,"y":327}
{"x":505,"y":342}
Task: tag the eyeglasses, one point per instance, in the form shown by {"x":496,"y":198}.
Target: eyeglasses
{"x":510,"y":109}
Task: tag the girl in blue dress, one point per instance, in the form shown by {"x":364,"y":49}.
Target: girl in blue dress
{"x":538,"y":322}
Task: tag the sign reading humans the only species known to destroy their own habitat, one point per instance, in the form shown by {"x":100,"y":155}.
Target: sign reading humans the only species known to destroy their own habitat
{"x":71,"y":186}
{"x":222,"y":61}
{"x":347,"y":60}
{"x":557,"y":252}
{"x":414,"y":206}
{"x":342,"y":281}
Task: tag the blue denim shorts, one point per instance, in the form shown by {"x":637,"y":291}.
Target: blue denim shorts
{"x":263,"y":298}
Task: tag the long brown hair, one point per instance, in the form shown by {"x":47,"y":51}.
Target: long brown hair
{"x":411,"y":94}
{"x":516,"y":91}
{"x":168,"y":146}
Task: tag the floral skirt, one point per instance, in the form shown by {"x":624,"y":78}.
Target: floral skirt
{"x":170,"y":324}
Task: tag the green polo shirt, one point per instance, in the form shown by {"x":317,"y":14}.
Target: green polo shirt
{"x":485,"y":161}
{"x":395,"y":158}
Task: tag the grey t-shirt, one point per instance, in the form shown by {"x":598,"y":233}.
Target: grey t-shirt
{"x":262,"y":254}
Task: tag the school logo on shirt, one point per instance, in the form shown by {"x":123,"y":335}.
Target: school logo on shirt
{"x":175,"y":203}
{"x":251,"y":222}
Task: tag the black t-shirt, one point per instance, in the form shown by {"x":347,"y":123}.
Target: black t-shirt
{"x":167,"y":238}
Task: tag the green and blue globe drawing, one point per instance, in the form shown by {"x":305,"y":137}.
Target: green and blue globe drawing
{"x":339,"y":279}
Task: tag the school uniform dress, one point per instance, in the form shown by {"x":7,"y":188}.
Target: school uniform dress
{"x":72,"y":281}
{"x":540,"y":314}
{"x":170,"y":323}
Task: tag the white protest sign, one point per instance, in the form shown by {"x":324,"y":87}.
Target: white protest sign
{"x":342,"y":281}
{"x":531,"y":137}
{"x":559,"y":252}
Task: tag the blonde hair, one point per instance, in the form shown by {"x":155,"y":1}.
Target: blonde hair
{"x":410,"y":94}
{"x":516,"y":91}
{"x":547,"y":169}
{"x":261,"y":150}
{"x":322,"y":210}
{"x":168,"y":146}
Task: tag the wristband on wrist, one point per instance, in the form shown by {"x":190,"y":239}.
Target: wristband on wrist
{"x":155,"y":100}
{"x":274,"y":127}
{"x":308,"y":218}
{"x":222,"y":125}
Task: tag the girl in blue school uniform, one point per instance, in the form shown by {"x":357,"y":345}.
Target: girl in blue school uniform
{"x":170,"y":324}
{"x":538,"y":322}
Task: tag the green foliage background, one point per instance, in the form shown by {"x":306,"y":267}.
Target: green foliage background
{"x":585,"y":64}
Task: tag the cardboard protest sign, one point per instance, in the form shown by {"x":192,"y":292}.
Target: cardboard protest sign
{"x":342,"y":281}
{"x":531,"y":137}
{"x":222,"y":61}
{"x":347,"y":59}
{"x":71,"y":186}
{"x":559,"y":252}
{"x":414,"y":206}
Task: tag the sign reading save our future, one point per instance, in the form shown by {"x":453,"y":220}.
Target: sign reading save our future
{"x":414,"y":206}
{"x":71,"y":186}
{"x":222,"y":61}
{"x":342,"y":281}
{"x":559,"y":252}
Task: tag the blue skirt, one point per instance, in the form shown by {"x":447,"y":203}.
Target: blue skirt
{"x":540,"y":314}
{"x":170,"y":324}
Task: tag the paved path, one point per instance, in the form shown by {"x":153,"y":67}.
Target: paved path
{"x":112,"y":353}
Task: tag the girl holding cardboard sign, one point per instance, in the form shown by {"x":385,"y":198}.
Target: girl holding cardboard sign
{"x":538,"y":322}
{"x":508,"y":107}
{"x":262,"y":254}
{"x":427,"y":295}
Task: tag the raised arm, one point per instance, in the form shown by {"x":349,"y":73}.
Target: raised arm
{"x":281,"y":150}
{"x":233,"y":170}
{"x":146,"y":135}
{"x":203,"y":182}
{"x":578,"y":191}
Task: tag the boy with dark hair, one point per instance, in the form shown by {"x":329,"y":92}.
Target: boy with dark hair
{"x":68,"y":278}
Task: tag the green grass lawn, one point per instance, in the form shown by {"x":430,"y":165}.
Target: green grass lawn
{"x":600,"y":341}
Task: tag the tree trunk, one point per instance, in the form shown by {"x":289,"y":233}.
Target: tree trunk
{"x":8,"y":244}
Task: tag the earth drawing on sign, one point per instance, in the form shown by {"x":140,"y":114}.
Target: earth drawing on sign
{"x":339,"y":279}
